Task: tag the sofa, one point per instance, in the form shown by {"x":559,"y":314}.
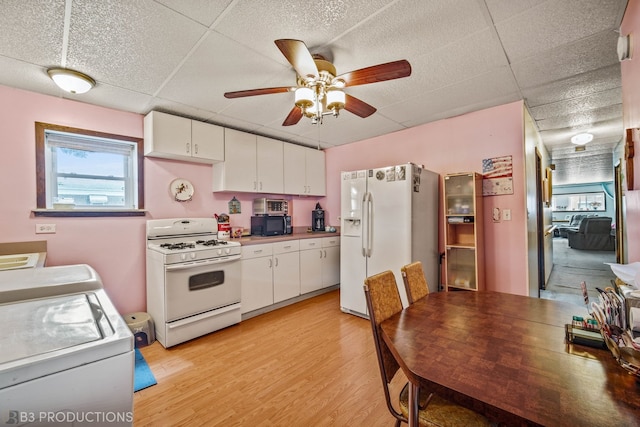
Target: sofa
{"x":574,"y":224}
{"x":593,"y":234}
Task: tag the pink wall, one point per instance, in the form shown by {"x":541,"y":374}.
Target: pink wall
{"x":115,"y":247}
{"x":457,"y":145}
{"x":631,"y":110}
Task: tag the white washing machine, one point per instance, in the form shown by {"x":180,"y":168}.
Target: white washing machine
{"x":66,"y":354}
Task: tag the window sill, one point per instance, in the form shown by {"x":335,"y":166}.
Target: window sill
{"x":88,"y":212}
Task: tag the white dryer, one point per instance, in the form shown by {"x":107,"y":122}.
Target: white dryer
{"x":67,"y":356}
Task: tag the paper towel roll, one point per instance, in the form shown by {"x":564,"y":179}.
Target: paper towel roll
{"x":634,"y":319}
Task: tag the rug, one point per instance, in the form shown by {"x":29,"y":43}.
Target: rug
{"x":142,"y":377}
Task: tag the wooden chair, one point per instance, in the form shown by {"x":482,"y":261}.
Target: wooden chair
{"x":383,"y":301}
{"x":414,"y":281}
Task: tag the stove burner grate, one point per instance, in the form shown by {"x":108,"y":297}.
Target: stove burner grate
{"x":211,"y":242}
{"x":180,"y":245}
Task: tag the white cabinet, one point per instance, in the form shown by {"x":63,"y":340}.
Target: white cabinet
{"x":256,"y":267}
{"x":173,"y":137}
{"x":270,"y":274}
{"x":252,"y":164}
{"x":319,"y":263}
{"x":304,"y":171}
{"x":330,"y":261}
{"x":286,"y":270}
{"x":310,"y":265}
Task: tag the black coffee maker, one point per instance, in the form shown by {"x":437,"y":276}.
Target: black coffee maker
{"x":317,"y":218}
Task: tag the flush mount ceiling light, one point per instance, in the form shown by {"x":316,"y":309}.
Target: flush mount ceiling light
{"x":70,"y":80}
{"x":582,"y":138}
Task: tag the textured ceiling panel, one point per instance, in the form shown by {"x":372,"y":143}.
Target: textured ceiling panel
{"x":563,"y":22}
{"x":32,"y":31}
{"x":583,"y":168}
{"x":181,"y":56}
{"x":133,"y":45}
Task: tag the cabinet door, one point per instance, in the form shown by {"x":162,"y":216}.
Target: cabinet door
{"x":269,"y":165}
{"x":239,"y":161}
{"x":286,"y":276}
{"x":167,"y":136}
{"x":330,"y":266}
{"x":295,"y":169}
{"x":310,"y":265}
{"x":315,"y":172}
{"x":207,"y":142}
{"x":257,"y":283}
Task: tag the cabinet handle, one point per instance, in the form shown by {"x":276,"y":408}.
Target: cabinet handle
{"x":288,"y":247}
{"x":195,"y":148}
{"x":320,"y":253}
{"x":270,"y":263}
{"x":254,"y":185}
{"x":276,"y":262}
{"x":325,"y":253}
{"x":258,"y":251}
{"x":188,"y":147}
{"x":261,"y":185}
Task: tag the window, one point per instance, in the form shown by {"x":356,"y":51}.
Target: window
{"x":81,"y":172}
{"x":579,"y":202}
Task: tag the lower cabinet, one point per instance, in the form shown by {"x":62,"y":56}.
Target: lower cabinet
{"x":270,"y":274}
{"x":286,"y":270}
{"x":319,"y":263}
{"x":275,"y":272}
{"x":256,"y":268}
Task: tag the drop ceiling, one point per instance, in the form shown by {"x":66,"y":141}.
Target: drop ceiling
{"x":181,"y":56}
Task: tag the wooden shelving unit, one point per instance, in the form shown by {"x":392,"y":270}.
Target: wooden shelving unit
{"x":464,"y":244}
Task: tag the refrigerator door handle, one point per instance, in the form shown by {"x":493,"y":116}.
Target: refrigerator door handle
{"x":369,"y":225}
{"x":364,"y":217}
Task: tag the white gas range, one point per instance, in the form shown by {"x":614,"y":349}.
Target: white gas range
{"x":193,"y":279}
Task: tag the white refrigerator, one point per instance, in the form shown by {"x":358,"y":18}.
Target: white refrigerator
{"x":389,"y":218}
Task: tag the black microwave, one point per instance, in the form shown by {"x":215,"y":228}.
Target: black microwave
{"x":264,"y":225}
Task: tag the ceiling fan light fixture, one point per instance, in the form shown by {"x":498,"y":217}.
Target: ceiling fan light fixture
{"x":70,"y":80}
{"x":335,"y":99}
{"x":582,"y":138}
{"x":304,"y":97}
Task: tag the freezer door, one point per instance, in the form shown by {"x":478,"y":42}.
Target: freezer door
{"x":352,"y":261}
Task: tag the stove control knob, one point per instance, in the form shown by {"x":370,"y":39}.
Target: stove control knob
{"x":219,"y":251}
{"x":183,"y":257}
{"x":227,"y":251}
{"x":192,"y":255}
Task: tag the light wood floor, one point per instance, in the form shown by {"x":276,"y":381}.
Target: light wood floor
{"x":307,"y":364}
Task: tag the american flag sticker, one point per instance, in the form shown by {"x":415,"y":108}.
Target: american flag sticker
{"x":497,"y":176}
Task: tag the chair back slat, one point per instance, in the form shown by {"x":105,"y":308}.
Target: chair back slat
{"x":414,"y":281}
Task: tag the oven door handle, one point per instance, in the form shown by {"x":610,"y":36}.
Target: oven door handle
{"x":203,"y":316}
{"x":194,"y":264}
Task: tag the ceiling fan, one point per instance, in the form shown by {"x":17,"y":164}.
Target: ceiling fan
{"x":319,"y":91}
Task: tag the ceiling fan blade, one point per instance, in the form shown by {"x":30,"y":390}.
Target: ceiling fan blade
{"x":358,"y":107}
{"x":294,"y":117}
{"x":254,"y":92}
{"x":299,"y":57}
{"x":376,"y":73}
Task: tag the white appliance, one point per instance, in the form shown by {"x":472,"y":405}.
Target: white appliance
{"x":389,"y":219}
{"x":193,"y":279}
{"x":67,"y":356}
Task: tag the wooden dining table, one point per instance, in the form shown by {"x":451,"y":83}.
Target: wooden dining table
{"x":506,"y":357}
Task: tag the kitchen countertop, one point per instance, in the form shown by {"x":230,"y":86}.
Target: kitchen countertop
{"x":297,"y":235}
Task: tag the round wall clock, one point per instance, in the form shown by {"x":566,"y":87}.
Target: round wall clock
{"x":181,"y":189}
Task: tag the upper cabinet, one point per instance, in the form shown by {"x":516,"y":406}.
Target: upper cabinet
{"x":252,"y":164}
{"x":304,"y":171}
{"x":178,"y":138}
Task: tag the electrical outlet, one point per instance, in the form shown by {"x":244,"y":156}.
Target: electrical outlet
{"x":506,"y":214}
{"x":45,"y":228}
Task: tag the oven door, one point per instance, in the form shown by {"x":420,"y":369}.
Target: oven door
{"x":196,"y":287}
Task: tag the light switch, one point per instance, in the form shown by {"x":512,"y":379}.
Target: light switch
{"x":506,"y":214}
